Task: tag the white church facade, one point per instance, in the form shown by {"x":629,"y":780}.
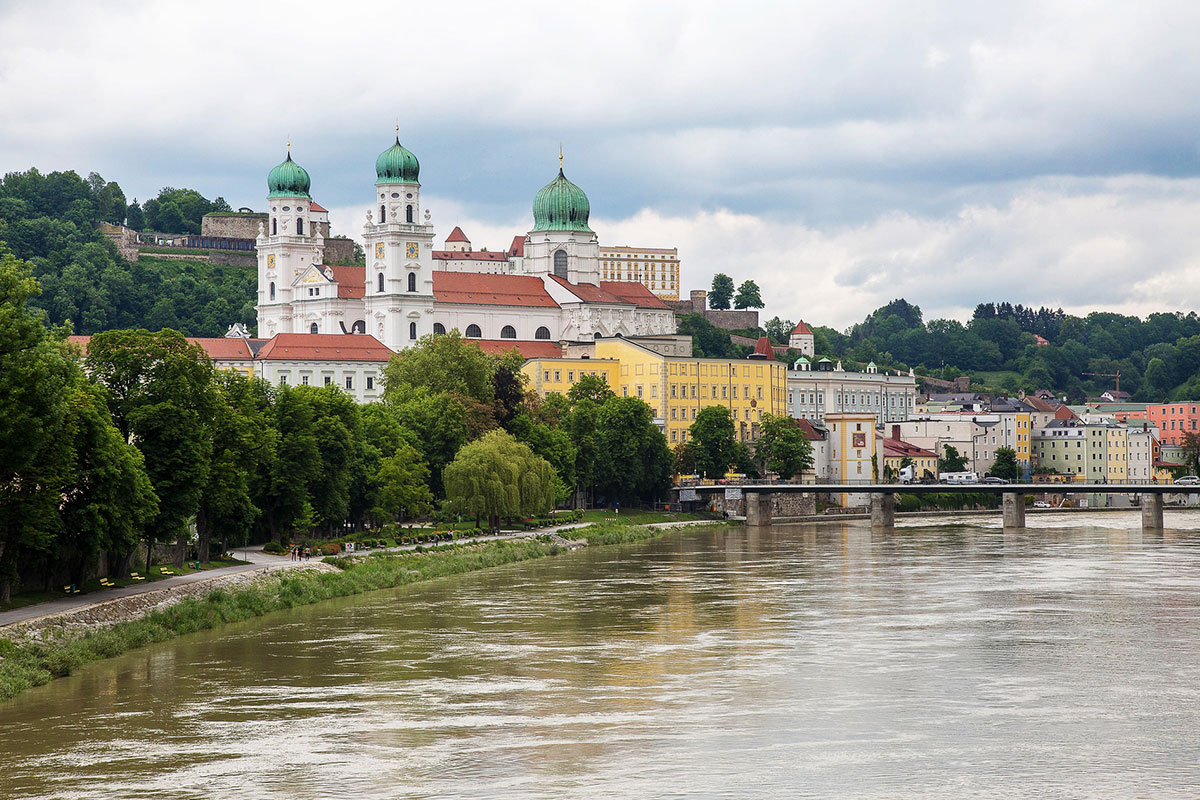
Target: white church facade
{"x":546,"y":287}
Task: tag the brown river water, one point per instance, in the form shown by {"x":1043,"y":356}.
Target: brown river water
{"x":946,"y":660}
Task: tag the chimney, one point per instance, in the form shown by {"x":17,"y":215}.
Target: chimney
{"x":896,"y":432}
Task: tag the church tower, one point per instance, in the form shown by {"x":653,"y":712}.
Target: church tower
{"x":286,"y":247}
{"x":561,"y":243}
{"x":399,"y":250}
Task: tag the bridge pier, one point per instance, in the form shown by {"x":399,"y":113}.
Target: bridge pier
{"x":758,"y":508}
{"x":883,"y":511}
{"x":1013,"y":504}
{"x":1152,"y":512}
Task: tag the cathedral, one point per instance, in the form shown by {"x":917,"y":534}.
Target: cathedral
{"x":546,"y":287}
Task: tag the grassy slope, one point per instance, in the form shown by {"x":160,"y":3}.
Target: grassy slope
{"x":31,"y":664}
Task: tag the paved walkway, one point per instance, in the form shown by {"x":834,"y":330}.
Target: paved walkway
{"x":258,"y":560}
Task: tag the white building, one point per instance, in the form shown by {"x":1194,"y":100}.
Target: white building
{"x":547,"y":287}
{"x":817,"y":390}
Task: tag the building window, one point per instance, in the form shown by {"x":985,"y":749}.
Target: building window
{"x":299,"y":226}
{"x":382,"y":214}
{"x":381,"y":282}
{"x":304,"y":380}
{"x":542,"y":333}
{"x":439,"y":329}
{"x":283,"y":380}
{"x":349,"y":381}
{"x":473,"y":332}
{"x":560,"y":263}
{"x":312,"y":328}
{"x":370,"y":383}
{"x":508,"y":332}
{"x":412,"y":330}
{"x":412,"y":281}
{"x":274,"y":226}
{"x":272,"y":290}
{"x":328,"y":380}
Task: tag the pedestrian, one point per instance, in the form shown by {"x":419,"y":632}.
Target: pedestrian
{"x":307,"y":553}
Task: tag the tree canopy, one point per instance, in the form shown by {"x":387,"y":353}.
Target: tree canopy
{"x":748,"y":296}
{"x":721,"y":292}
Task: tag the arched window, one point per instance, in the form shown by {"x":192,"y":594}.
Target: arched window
{"x":408,"y":213}
{"x":473,"y":332}
{"x":299,"y":226}
{"x":412,"y":330}
{"x":597,"y":335}
{"x":359,"y":326}
{"x":542,"y":333}
{"x":312,"y":328}
{"x":381,"y":282}
{"x":412,"y":281}
{"x":382,"y":214}
{"x":274,"y":226}
{"x":508,"y":332}
{"x":272,"y":290}
{"x":439,"y":329}
{"x":560,"y":263}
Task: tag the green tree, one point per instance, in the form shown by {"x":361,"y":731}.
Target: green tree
{"x":780,"y":330}
{"x":296,"y":462}
{"x":721,"y":292}
{"x":952,"y":461}
{"x":134,"y":217}
{"x":1190,"y":442}
{"x":497,"y":476}
{"x":782,"y":447}
{"x":1005,"y":466}
{"x":403,"y":481}
{"x":1156,"y":381}
{"x":748,"y":296}
{"x":684,"y":461}
{"x":35,"y":442}
{"x":633,"y":461}
{"x":713,"y":435}
{"x":592,"y":387}
{"x":445,"y":363}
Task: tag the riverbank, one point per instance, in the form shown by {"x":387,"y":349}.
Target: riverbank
{"x":36,"y":652}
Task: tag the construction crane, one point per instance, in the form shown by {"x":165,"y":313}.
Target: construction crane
{"x":1116,"y":375}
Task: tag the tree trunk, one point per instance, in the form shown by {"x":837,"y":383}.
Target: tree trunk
{"x":203,"y":535}
{"x":149,"y":550}
{"x":7,"y":570}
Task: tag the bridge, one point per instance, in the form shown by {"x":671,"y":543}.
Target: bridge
{"x":883,"y":497}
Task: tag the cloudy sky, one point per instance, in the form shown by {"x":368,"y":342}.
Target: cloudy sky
{"x":841,"y":154}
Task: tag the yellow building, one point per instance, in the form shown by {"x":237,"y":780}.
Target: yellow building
{"x":1117,"y":454}
{"x":657,"y":268}
{"x":675,"y":387}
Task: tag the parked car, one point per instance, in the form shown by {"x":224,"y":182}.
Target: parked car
{"x":994,"y":479}
{"x":1042,"y":504}
{"x":959,"y":477}
{"x":1188,"y":480}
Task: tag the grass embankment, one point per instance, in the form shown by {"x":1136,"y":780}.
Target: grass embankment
{"x":27,"y":664}
{"x":156,"y":573}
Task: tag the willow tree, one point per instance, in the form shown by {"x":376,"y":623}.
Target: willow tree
{"x":497,"y":476}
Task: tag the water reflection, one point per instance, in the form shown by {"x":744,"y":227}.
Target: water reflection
{"x":956,"y":660}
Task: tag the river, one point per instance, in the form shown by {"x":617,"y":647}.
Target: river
{"x":939,"y":661}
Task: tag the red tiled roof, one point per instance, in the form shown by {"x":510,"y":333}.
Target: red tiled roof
{"x":763,"y":347}
{"x":317,"y":207}
{"x":351,"y":281}
{"x":222,"y":349}
{"x":473,"y":288}
{"x":469,"y":255}
{"x":517,"y":248}
{"x":1037,"y":403}
{"x":1064,"y":413}
{"x":457,"y":235}
{"x":587,"y":292}
{"x":324,"y":347}
{"x":81,"y":341}
{"x":898,"y":448}
{"x":537,"y":349}
{"x":810,"y":432}
{"x":633,"y":292}
{"x":802,"y":328}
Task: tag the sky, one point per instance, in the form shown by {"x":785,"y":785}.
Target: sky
{"x":839,"y":154}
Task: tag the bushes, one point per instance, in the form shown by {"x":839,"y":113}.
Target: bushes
{"x":950,"y":501}
{"x":274,"y":548}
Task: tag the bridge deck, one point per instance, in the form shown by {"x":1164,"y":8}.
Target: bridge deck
{"x":930,"y":488}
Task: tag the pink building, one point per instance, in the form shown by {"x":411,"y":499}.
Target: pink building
{"x":1174,"y":419}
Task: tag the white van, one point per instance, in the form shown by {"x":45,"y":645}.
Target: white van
{"x":959,"y":477}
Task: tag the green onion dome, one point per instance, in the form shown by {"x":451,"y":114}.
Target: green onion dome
{"x":560,"y":206}
{"x":289,"y":179}
{"x":397,"y":164}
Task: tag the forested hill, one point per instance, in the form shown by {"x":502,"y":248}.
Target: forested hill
{"x":1158,"y":357}
{"x":50,"y":220}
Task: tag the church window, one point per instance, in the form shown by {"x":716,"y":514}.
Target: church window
{"x":408,"y":213}
{"x":299,"y":226}
{"x":542,"y":333}
{"x":272,"y":290}
{"x":382,"y":213}
{"x":412,"y":330}
{"x":412,"y":281}
{"x":381,"y":281}
{"x":439,"y":328}
{"x":473,"y":332}
{"x":312,"y":328}
{"x":395,"y":194}
{"x":274,"y":226}
{"x":508,"y":332}
{"x":560,"y":263}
